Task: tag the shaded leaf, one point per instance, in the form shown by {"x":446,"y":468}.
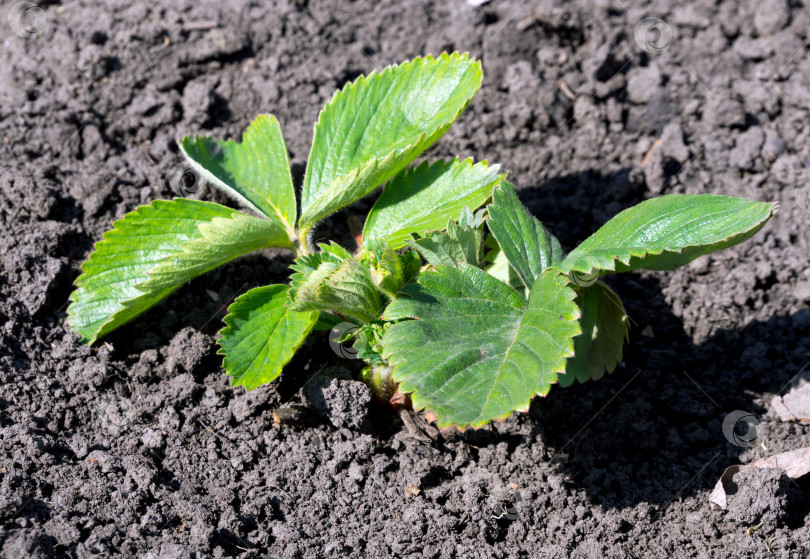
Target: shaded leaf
{"x":524,"y":241}
{"x":604,"y":326}
{"x":477,"y":350}
{"x":261,"y":335}
{"x":391,"y":269}
{"x":458,"y":244}
{"x":498,"y":266}
{"x":327,"y":321}
{"x":367,"y":342}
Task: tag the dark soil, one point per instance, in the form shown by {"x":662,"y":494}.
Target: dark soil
{"x":139,"y":447}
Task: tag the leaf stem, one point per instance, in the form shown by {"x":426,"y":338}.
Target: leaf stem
{"x":303,"y":242}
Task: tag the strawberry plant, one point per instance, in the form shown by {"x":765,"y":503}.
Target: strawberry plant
{"x":367,"y":135}
{"x":470,"y":312}
{"x":473,"y":342}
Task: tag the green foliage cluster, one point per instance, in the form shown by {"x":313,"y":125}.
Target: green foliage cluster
{"x":460,"y":297}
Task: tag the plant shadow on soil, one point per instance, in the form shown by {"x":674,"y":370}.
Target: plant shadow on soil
{"x":194,"y":305}
{"x":573,"y":206}
{"x":652,"y":430}
{"x":653,"y":426}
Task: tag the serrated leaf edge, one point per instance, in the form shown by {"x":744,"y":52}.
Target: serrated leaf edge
{"x":306,"y":224}
{"x":420,"y":405}
{"x":229,"y":327}
{"x":468,"y":163}
{"x":129,"y":303}
{"x":230,"y":191}
{"x":640,"y":252}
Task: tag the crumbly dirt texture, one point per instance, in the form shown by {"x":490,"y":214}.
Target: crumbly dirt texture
{"x":139,"y":447}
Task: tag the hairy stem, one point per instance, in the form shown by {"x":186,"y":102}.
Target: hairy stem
{"x":378,"y":378}
{"x":302,"y":242}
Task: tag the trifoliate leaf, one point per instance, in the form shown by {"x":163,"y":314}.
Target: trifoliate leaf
{"x":422,"y":199}
{"x":604,"y":326}
{"x":255,"y":171}
{"x":374,"y":127}
{"x":261,"y":335}
{"x":664,"y":233}
{"x":524,"y":241}
{"x":155,"y":249}
{"x":477,"y":350}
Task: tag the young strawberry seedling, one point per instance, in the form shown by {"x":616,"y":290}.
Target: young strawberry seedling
{"x":470,"y":336}
{"x":365,"y":136}
{"x":473,"y":343}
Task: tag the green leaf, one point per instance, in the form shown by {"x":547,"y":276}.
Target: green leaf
{"x":255,"y":171}
{"x":310,"y":270}
{"x":524,"y":241}
{"x":498,"y":266}
{"x":333,"y":283}
{"x":374,"y":127}
{"x":604,"y":326}
{"x":261,"y":335}
{"x":422,"y":199}
{"x":391,"y":270}
{"x":327,"y":321}
{"x":459,"y":244}
{"x":472,"y":220}
{"x":367,"y":342}
{"x":477,"y":349}
{"x":664,"y":233}
{"x":154,"y":250}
